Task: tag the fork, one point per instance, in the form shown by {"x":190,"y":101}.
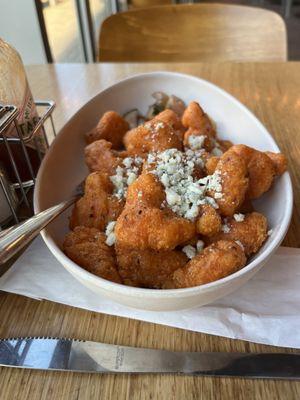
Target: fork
{"x":13,"y":239}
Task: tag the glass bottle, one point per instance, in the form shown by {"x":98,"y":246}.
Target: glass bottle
{"x":14,"y":89}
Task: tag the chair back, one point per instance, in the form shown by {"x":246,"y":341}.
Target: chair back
{"x":193,"y":33}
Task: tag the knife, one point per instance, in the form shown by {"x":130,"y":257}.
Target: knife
{"x":84,"y":356}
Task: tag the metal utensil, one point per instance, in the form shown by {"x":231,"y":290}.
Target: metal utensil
{"x":8,"y":198}
{"x":16,"y":237}
{"x":84,"y":356}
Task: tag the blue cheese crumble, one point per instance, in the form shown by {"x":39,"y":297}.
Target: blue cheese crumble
{"x":196,"y":142}
{"x":216,"y":151}
{"x":191,"y":251}
{"x":239,"y":217}
{"x":225,"y":228}
{"x":184,"y":192}
{"x":109,"y":232}
{"x":125,"y":175}
{"x":199,"y":246}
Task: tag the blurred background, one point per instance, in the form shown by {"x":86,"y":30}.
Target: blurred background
{"x":67,"y":31}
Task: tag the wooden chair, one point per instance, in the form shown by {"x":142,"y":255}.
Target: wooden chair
{"x":193,"y":32}
{"x":147,"y":3}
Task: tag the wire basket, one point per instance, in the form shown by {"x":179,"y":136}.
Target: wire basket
{"x":19,"y":162}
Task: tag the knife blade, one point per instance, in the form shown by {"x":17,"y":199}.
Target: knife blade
{"x":63,"y":354}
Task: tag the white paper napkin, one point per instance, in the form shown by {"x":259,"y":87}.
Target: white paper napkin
{"x":265,"y":310}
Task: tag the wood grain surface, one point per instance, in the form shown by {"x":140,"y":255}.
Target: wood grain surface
{"x":193,"y":32}
{"x":147,"y":3}
{"x":272,"y":92}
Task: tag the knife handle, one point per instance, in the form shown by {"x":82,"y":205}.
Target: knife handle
{"x":264,"y":365}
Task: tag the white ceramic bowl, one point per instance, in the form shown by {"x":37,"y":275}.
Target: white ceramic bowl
{"x":63,"y":168}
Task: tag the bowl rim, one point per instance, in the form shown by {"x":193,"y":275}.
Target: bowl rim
{"x":165,"y":293}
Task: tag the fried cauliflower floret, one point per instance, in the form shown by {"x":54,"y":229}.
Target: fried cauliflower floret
{"x":251,"y":232}
{"x":146,"y":191}
{"x":224,"y":144}
{"x":98,"y":206}
{"x":233,"y":174}
{"x":209,"y":221}
{"x":154,"y":135}
{"x":212,"y":161}
{"x":148,"y":268}
{"x":87,"y":248}
{"x":262,"y":168}
{"x":143,"y":224}
{"x":99,"y":156}
{"x":111,"y":127}
{"x":279,"y":161}
{"x":211,"y":165}
{"x":194,"y":117}
{"x":170,"y":118}
{"x":216,"y":261}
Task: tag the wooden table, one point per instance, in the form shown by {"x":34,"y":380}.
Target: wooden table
{"x":272,"y":92}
